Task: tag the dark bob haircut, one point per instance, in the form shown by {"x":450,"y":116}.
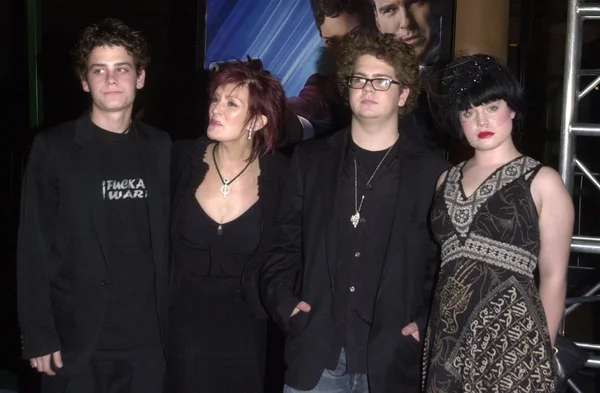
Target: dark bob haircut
{"x":470,"y":81}
{"x":265,"y":97}
{"x":109,"y":32}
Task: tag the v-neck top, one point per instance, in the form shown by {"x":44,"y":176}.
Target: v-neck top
{"x":210,"y":249}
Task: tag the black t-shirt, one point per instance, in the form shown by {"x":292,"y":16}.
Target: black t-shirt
{"x":361,"y":250}
{"x":131,"y":320}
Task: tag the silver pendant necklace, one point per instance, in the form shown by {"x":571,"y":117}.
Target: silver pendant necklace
{"x":355,"y":218}
{"x":225,"y":189}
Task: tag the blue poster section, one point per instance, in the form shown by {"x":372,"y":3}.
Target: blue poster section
{"x":280,"y":32}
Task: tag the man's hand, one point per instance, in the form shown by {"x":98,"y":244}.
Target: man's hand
{"x":44,"y":363}
{"x":302,"y":306}
{"x":411,"y":329}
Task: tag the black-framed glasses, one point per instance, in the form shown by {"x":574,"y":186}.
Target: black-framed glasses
{"x":379,"y":84}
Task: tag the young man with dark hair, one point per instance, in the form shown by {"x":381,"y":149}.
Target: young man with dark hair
{"x":337,"y":18}
{"x":92,"y":264}
{"x":318,"y":107}
{"x":351,"y":268}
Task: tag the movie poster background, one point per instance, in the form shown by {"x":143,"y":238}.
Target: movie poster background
{"x":283,"y":34}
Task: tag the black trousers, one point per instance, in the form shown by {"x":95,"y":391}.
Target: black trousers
{"x":140,"y":371}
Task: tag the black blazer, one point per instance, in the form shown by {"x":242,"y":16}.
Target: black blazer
{"x":189,"y":170}
{"x":62,"y":256}
{"x":301,"y":266}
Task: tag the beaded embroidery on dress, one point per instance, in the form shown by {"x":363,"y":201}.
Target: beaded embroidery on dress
{"x":487,"y":331}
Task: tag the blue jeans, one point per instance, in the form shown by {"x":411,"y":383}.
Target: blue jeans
{"x":337,"y":381}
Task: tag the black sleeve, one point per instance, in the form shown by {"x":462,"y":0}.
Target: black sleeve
{"x":180,"y":156}
{"x":271,"y":184}
{"x":433,"y":258}
{"x":432,"y":263}
{"x":39,"y":206}
{"x":291,"y":132}
{"x":283,"y":261}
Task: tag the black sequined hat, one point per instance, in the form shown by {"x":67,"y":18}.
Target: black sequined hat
{"x":467,"y":71}
{"x":471,"y":81}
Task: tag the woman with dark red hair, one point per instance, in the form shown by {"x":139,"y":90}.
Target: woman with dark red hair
{"x":227,"y":188}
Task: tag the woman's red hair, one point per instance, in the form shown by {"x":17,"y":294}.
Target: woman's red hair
{"x":265,"y":97}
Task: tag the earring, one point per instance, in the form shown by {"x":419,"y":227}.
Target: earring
{"x":249,"y":133}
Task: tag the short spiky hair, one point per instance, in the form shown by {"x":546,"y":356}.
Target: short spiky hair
{"x":333,"y":8}
{"x":388,"y":48}
{"x":265,"y":95}
{"x":109,"y":32}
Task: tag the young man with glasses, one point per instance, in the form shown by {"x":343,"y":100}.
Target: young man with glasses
{"x":351,"y":269}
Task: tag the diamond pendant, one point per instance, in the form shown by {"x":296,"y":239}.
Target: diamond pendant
{"x":225,"y":190}
{"x":354,"y":219}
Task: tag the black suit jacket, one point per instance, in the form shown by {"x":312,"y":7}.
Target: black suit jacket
{"x":189,"y":170}
{"x":301,"y":266}
{"x":62,"y":242}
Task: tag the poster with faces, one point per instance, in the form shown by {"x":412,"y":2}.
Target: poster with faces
{"x":296,"y":39}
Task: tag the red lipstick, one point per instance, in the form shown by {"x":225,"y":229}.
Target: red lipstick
{"x":485,"y":134}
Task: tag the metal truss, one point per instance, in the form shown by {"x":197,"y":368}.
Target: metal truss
{"x":578,"y":13}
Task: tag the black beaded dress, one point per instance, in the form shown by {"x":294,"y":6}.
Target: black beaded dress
{"x":487,"y":330}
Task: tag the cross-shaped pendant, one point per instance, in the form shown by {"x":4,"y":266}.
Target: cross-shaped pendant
{"x":355,"y":218}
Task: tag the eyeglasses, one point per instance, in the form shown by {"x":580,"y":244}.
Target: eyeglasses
{"x":380,"y":84}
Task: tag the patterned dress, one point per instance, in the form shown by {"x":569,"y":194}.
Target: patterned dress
{"x":487,"y":330}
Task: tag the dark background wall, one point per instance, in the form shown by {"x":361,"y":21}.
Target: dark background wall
{"x":170,"y":97}
{"x":14,"y":127}
{"x":173,"y":99}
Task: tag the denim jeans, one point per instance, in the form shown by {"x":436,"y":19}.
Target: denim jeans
{"x":337,"y":381}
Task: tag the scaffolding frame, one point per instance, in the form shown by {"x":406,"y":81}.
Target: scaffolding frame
{"x":578,"y":12}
